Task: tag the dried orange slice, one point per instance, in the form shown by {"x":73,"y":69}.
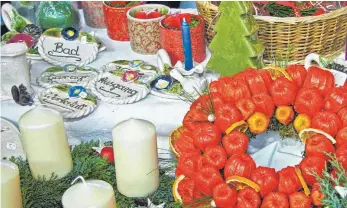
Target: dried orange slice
{"x":302,"y":181}
{"x":175,"y":193}
{"x":240,"y":182}
{"x":239,"y":126}
{"x":305,"y":134}
{"x":276,"y":72}
{"x":302,"y":121}
{"x":174,"y":135}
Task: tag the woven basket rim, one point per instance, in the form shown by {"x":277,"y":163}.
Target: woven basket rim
{"x":289,"y":20}
{"x":307,"y":19}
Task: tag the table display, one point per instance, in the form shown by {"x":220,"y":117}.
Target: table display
{"x":149,"y":123}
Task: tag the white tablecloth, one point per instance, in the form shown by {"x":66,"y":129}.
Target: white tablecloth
{"x":165,"y":114}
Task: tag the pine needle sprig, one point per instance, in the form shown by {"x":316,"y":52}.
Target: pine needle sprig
{"x":327,"y":183}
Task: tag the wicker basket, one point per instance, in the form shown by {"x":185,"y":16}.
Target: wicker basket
{"x":291,"y":38}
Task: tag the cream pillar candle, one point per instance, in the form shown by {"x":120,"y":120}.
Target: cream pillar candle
{"x":45,"y":142}
{"x":89,"y":194}
{"x":11,"y":196}
{"x":136,"y":157}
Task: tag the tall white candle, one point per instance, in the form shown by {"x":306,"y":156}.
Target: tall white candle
{"x":11,"y":196}
{"x":45,"y":142}
{"x":136,"y":157}
{"x":89,"y":194}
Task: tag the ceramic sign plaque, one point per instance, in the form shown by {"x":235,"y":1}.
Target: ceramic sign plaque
{"x":70,"y":101}
{"x":69,"y":74}
{"x":67,"y":46}
{"x":121,"y":85}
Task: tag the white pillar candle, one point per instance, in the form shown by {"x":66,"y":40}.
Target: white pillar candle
{"x":11,"y":196}
{"x":89,"y":194}
{"x":45,"y":142}
{"x":136,"y":157}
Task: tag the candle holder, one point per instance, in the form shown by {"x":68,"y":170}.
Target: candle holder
{"x":171,"y":39}
{"x":116,"y":19}
{"x":144,"y":33}
{"x":93,"y":14}
{"x":14,"y":69}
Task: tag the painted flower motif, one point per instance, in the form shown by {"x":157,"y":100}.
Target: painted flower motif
{"x":70,"y":68}
{"x":69,"y":33}
{"x":77,"y":91}
{"x":258,"y":123}
{"x":130,"y":76}
{"x":135,"y":63}
{"x":162,"y":82}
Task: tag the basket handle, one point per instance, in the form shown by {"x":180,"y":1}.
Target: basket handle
{"x":313,"y":57}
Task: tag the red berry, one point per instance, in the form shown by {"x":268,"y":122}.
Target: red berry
{"x":288,"y":181}
{"x":107,"y":152}
{"x":153,"y":15}
{"x":189,"y":164}
{"x":224,"y":196}
{"x":206,"y":134}
{"x":275,"y":200}
{"x":310,"y":165}
{"x":248,"y":198}
{"x":206,"y":179}
{"x":226,"y":115}
{"x":235,"y":143}
{"x":240,"y":164}
{"x":266,"y":178}
{"x":317,"y":145}
{"x":214,"y":156}
{"x":299,"y":200}
{"x":141,"y":15}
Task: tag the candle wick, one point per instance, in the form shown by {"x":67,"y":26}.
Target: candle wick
{"x":81,"y":178}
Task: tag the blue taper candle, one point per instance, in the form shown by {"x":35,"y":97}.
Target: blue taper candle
{"x":187,"y":45}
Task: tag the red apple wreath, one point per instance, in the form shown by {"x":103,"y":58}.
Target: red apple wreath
{"x":213,"y":167}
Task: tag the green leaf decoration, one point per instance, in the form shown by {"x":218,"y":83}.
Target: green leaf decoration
{"x":176,"y":89}
{"x":54,"y":69}
{"x":8,"y":36}
{"x":47,"y":192}
{"x":117,"y":72}
{"x":324,"y":62}
{"x":18,"y":22}
{"x":63,"y":87}
{"x":235,"y":45}
{"x":54,"y":32}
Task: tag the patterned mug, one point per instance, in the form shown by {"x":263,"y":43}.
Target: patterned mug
{"x":94,"y":14}
{"x":144,"y":33}
{"x":116,"y":22}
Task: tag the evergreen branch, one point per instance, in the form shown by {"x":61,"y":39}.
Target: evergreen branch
{"x":44,"y":193}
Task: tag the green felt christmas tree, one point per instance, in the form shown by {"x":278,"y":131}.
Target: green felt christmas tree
{"x":235,"y":45}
